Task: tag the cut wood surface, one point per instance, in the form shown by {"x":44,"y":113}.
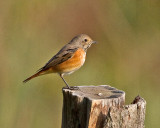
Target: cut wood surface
{"x":100,"y":107}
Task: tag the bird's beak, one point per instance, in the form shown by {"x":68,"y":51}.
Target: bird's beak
{"x":94,"y":42}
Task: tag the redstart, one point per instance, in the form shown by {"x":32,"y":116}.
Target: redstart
{"x":69,"y":59}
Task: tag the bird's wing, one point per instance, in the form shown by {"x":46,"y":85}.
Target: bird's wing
{"x":63,"y":55}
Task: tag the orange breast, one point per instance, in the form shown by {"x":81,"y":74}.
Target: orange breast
{"x":71,"y":64}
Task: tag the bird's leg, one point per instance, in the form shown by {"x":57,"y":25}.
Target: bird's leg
{"x":64,"y":81}
{"x":72,"y":88}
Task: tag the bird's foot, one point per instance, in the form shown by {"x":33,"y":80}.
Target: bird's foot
{"x":74,"y":88}
{"x":71,"y":88}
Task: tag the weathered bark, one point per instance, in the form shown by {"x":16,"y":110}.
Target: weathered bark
{"x":129,"y":116}
{"x":100,"y":107}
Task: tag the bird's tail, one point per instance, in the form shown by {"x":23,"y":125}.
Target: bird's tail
{"x":31,"y":77}
{"x":41,"y":72}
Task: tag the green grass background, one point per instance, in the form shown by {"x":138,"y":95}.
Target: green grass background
{"x":126,"y":57}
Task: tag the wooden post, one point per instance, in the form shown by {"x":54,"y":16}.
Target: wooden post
{"x":101,"y":107}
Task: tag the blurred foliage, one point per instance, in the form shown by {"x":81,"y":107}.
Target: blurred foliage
{"x":126,"y":57}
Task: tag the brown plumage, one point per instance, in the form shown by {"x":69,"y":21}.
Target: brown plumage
{"x":69,"y":59}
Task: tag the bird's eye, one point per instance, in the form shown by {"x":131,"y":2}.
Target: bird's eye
{"x":85,"y":40}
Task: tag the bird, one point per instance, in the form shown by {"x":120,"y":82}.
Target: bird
{"x":69,"y":59}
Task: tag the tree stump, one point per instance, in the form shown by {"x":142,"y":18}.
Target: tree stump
{"x":101,"y":107}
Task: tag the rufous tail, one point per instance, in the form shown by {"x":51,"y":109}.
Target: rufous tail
{"x":39,"y":73}
{"x":31,"y":77}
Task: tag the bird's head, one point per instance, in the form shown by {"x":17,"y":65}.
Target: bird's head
{"x":82,"y":41}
